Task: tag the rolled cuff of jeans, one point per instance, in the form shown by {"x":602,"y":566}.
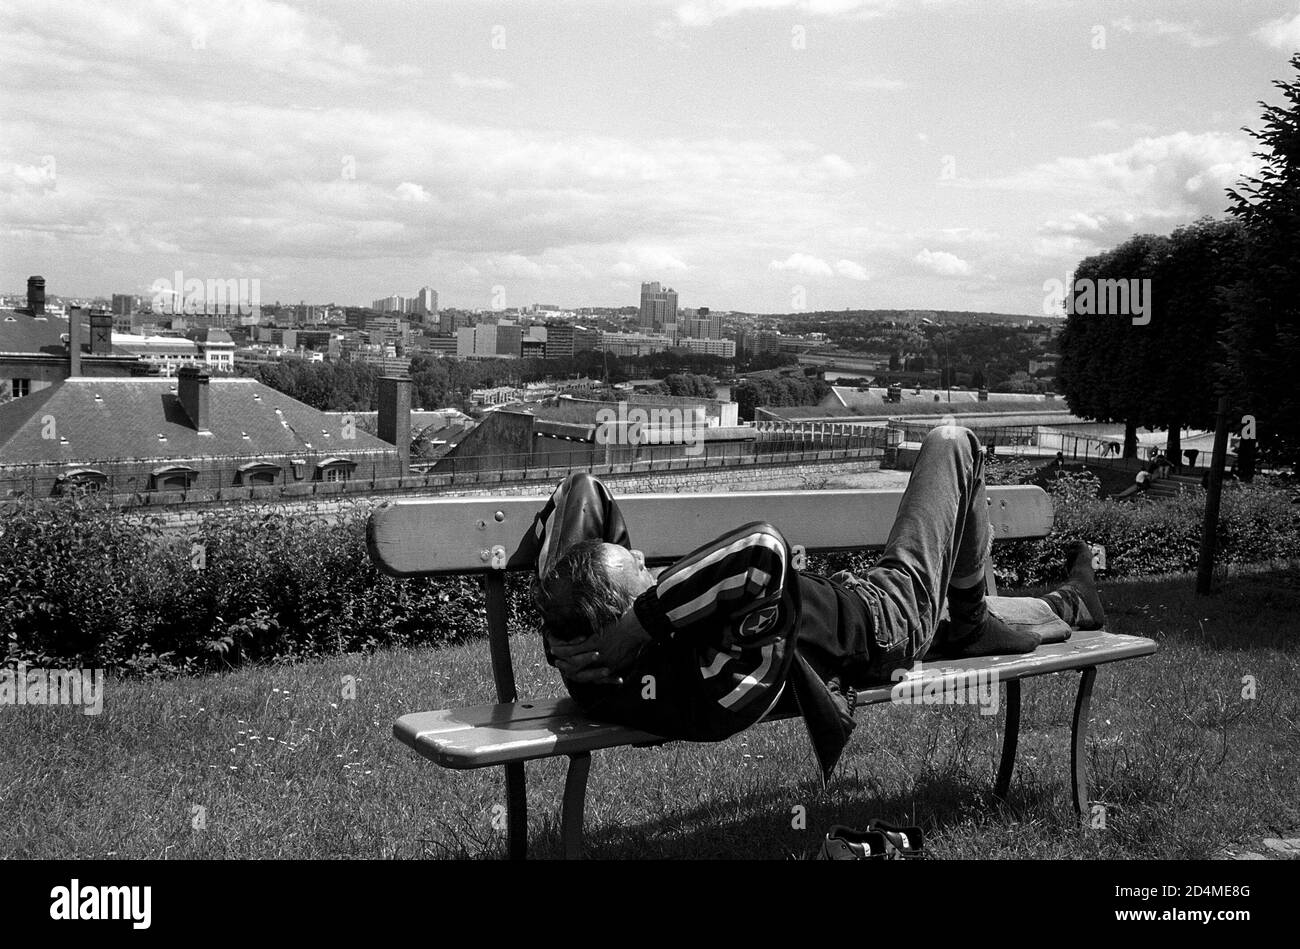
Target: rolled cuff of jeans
{"x":652,"y":616}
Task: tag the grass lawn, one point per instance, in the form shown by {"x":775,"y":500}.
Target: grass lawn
{"x":282,"y":765}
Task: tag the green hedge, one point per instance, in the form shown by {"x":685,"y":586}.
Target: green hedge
{"x":84,"y":585}
{"x":1257,"y":524}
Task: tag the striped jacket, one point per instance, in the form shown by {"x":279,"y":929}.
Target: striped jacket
{"x":723,"y":621}
{"x":724,"y":604}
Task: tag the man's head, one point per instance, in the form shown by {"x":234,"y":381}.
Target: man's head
{"x":588,"y":588}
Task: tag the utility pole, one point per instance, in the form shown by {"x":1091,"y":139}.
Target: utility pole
{"x":1210,"y":532}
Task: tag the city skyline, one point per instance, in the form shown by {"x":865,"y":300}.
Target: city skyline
{"x":769,"y":156}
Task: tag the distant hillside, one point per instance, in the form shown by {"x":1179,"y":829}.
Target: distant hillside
{"x":950,"y":317}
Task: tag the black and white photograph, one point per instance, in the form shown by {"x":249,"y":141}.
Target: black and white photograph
{"x":483,"y":434}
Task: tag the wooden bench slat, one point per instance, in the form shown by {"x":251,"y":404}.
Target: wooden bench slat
{"x":455,"y":535}
{"x":495,"y":734}
{"x":486,"y":735}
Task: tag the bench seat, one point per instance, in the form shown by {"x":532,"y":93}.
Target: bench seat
{"x":483,"y":536}
{"x":485,"y":735}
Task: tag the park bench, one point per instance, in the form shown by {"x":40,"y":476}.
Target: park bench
{"x":478,"y":535}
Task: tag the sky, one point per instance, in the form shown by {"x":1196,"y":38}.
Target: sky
{"x":757,"y":155}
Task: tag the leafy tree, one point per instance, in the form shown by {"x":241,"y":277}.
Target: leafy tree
{"x":1186,"y":315}
{"x":778,"y":391}
{"x":1262,"y":334}
{"x":1104,"y":357}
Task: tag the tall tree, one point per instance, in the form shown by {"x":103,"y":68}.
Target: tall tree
{"x":1186,"y":315}
{"x":1105,"y":358}
{"x":1262,"y":333}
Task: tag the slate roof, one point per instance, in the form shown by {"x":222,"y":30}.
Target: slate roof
{"x":126,"y":419}
{"x":21,"y":333}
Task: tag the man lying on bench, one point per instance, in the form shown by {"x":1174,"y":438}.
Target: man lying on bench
{"x":731,"y":633}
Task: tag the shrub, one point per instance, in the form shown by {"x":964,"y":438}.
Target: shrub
{"x":86,"y":585}
{"x":83,"y":584}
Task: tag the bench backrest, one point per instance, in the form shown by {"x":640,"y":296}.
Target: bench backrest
{"x":482,"y":535}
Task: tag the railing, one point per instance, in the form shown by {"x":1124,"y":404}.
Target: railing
{"x":1018,"y":439}
{"x":452,"y":471}
{"x":869,"y":443}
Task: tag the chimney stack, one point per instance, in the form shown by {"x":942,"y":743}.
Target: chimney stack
{"x":395,"y":416}
{"x":101,"y":333}
{"x":192,"y":390}
{"x":36,"y":295}
{"x":74,"y":341}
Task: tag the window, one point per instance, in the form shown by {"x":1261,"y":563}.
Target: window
{"x":259,"y":473}
{"x":334,"y":470}
{"x":81,"y":480}
{"x":173,"y":478}
{"x":22,"y":387}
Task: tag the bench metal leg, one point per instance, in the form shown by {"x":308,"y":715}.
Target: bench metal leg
{"x":575,"y":800}
{"x":1078,"y":738}
{"x":1011,"y":735}
{"x":517,"y":810}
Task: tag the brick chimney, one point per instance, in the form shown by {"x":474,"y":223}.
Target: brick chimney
{"x":74,"y":341}
{"x":395,"y":416}
{"x":36,"y":295}
{"x":192,"y":390}
{"x":101,"y":333}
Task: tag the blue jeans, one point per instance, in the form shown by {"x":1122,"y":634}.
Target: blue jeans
{"x":942,"y":535}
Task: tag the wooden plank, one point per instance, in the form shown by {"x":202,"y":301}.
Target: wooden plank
{"x":1081,"y":650}
{"x":416,"y":537}
{"x":486,"y":735}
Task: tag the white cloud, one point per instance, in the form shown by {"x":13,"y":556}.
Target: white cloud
{"x":942,"y":263}
{"x":708,"y":12}
{"x":837,"y":167}
{"x":151,"y":39}
{"x":1179,"y":174}
{"x":1282,"y":33}
{"x":407,"y":191}
{"x":493,"y":83}
{"x":804,"y":264}
{"x":854,"y":271}
{"x":646,"y":261}
{"x":1115,"y":125}
{"x":1189,"y":33}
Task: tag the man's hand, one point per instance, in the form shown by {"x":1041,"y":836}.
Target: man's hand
{"x":602,"y":658}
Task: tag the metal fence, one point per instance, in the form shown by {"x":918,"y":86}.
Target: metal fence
{"x":1036,"y":441}
{"x":452,"y":471}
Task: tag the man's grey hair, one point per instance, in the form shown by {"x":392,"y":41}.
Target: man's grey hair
{"x":577,"y":597}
